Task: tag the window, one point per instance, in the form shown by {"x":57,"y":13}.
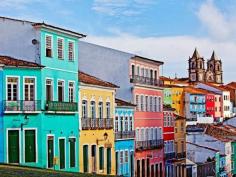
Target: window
{"x":133,"y":71}
{"x":84,"y":109}
{"x":60,"y":48}
{"x":71,"y":92}
{"x":116,"y":124}
{"x":71,"y":51}
{"x":12,"y":88}
{"x":60,"y":90}
{"x":137,"y":71}
{"x":101,"y":158}
{"x":137,"y":135}
{"x":146,"y":104}
{"x":141,"y":103}
{"x":182,"y":146}
{"x":29,"y":89}
{"x":154,"y":137}
{"x":131,"y":123}
{"x":165,"y":120}
{"x":160,"y":104}
{"x":121,"y":157}
{"x":100,"y":110}
{"x":92,"y":109}
{"x":150,"y":133}
{"x":182,"y":126}
{"x":48,"y":46}
{"x":150,"y":108}
{"x":155,"y":105}
{"x":126,"y":124}
{"x":108,"y":109}
{"x":126,"y":156}
{"x":121,"y":124}
{"x":49,"y":91}
{"x":137,"y":102}
{"x":72,"y":151}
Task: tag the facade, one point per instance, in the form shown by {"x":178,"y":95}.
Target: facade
{"x":198,"y":73}
{"x":195,"y":101}
{"x":1,"y":117}
{"x":180,"y":146}
{"x":143,"y":83}
{"x":169,"y":140}
{"x":178,"y":96}
{"x":167,"y":96}
{"x":124,"y":138}
{"x":57,"y":50}
{"x":96,"y":139}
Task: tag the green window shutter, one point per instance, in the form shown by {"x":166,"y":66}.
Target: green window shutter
{"x":62,"y":153}
{"x":13,"y":146}
{"x":50,"y":152}
{"x":108,"y":160}
{"x":30,"y":148}
{"x":85,"y":158}
{"x":72,"y":152}
{"x":101,"y":158}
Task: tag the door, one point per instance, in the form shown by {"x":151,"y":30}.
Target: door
{"x":131,"y":164}
{"x":157,"y":170}
{"x":30,"y":146}
{"x":72,"y":152}
{"x":152,"y":171}
{"x":161,"y":171}
{"x":85,"y":158}
{"x":108,"y":160}
{"x":117,"y":163}
{"x":94,"y":160}
{"x":138,"y":168}
{"x":62,"y":153}
{"x":148,"y":168}
{"x":13,"y":146}
{"x":50,"y":151}
{"x":143,"y":168}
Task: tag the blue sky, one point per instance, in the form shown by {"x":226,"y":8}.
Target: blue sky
{"x":167,"y":30}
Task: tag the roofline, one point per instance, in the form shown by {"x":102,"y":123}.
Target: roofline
{"x":98,"y":86}
{"x":44,"y":25}
{"x":14,"y":19}
{"x":148,"y":59}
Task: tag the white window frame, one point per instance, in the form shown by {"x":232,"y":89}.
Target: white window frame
{"x":75,"y":151}
{"x":63,"y":86}
{"x":49,"y":35}
{"x":52,"y":85}
{"x":73,"y":42}
{"x":63,"y":48}
{"x":18,"y":86}
{"x":59,"y":138}
{"x":35,"y":86}
{"x":69,"y":87}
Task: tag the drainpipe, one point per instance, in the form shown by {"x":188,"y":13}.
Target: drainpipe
{"x":1,"y":116}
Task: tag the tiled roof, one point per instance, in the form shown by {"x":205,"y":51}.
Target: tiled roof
{"x":58,"y":28}
{"x":10,"y":61}
{"x":88,"y":79}
{"x":120,"y":102}
{"x":232,"y":85}
{"x":215,"y":86}
{"x":164,"y":78}
{"x":194,"y":90}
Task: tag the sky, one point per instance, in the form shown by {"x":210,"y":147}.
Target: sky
{"x":166,"y":30}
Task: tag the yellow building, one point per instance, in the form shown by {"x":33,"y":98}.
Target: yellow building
{"x":177,"y":93}
{"x":96,"y":141}
{"x":180,"y":146}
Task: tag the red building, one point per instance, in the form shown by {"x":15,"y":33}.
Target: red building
{"x":169,"y":138}
{"x":148,"y":123}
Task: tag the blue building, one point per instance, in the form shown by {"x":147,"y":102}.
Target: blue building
{"x":195,"y":103}
{"x":124,"y":138}
{"x":1,"y":116}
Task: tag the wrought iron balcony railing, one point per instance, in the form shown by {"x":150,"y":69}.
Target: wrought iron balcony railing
{"x":124,"y":134}
{"x":169,"y":156}
{"x":22,"y":105}
{"x":145,"y":80}
{"x":61,"y":106}
{"x":149,"y":144}
{"x":96,"y":123}
{"x":181,"y":155}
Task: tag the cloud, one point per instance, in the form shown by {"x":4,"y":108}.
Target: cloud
{"x":121,"y":7}
{"x":220,"y":26}
{"x":16,"y":4}
{"x":174,"y":51}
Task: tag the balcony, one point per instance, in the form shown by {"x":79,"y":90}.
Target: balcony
{"x":96,"y":123}
{"x":124,"y":135}
{"x":222,"y":169}
{"x":181,"y":155}
{"x":21,"y":106}
{"x":57,"y":106}
{"x":169,"y":156}
{"x":149,"y":144}
{"x":145,"y":80}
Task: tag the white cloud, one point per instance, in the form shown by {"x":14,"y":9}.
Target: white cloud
{"x":17,"y":4}
{"x":121,"y":7}
{"x":220,"y":25}
{"x":174,"y":51}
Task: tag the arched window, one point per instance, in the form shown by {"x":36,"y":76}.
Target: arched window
{"x":92,"y":109}
{"x":100,"y":109}
{"x":160,"y":104}
{"x":84,"y":109}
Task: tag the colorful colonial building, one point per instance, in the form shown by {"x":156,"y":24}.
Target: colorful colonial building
{"x":51,"y":93}
{"x":124,"y":138}
{"x":96,"y":139}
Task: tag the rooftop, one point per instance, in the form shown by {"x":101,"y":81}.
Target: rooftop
{"x":120,"y":102}
{"x":10,"y":61}
{"x":205,"y":147}
{"x":92,"y":80}
{"x":148,"y":59}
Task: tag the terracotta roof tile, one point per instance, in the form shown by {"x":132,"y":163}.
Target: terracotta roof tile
{"x":88,"y":79}
{"x":232,"y":84}
{"x":10,"y":61}
{"x":120,"y":102}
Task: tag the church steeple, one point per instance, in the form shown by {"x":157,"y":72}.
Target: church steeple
{"x":196,"y":54}
{"x":213,"y":56}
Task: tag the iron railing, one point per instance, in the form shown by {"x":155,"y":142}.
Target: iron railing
{"x":22,"y":105}
{"x":145,"y":80}
{"x":61,"y":106}
{"x":96,"y":123}
{"x":124,"y":134}
{"x":170,"y":155}
{"x":149,"y":144}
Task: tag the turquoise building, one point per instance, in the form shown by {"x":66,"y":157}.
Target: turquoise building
{"x":124,"y":138}
{"x":1,"y":117}
{"x":41,"y":120}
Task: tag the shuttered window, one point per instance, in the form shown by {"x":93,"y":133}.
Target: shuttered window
{"x":60,"y":48}
{"x":72,"y":152}
{"x":48,"y":46}
{"x":71,"y":51}
{"x":101,"y":158}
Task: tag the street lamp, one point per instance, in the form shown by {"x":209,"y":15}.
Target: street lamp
{"x":105,"y":136}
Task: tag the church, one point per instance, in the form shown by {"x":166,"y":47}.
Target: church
{"x":198,"y":73}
